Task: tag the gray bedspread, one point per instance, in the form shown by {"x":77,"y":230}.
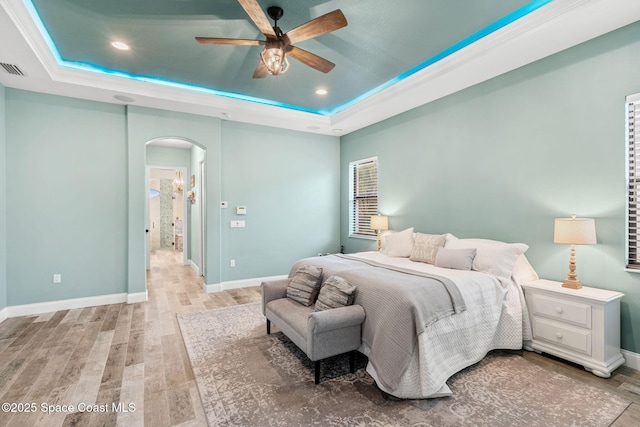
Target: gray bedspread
{"x":399,"y":304}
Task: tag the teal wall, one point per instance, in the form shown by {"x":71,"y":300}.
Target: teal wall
{"x":169,"y":157}
{"x":66,"y":198}
{"x":3,"y":203}
{"x":76,"y":195}
{"x":502,"y":159}
{"x":290,"y":184}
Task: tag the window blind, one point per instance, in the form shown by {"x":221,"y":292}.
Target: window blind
{"x":633,"y":180}
{"x":363,"y":196}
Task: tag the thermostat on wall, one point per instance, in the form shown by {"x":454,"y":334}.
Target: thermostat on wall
{"x":241,"y":210}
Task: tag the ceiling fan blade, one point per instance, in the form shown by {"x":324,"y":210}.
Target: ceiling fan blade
{"x":258,"y":17}
{"x":320,"y":25}
{"x":217,"y":40}
{"x":261,"y":71}
{"x":310,"y":59}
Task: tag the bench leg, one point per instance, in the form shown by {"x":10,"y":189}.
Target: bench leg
{"x":268,"y":326}
{"x":352,"y":361}
{"x":317,"y":373}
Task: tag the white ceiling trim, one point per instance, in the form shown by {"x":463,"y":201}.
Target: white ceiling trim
{"x":550,"y":29}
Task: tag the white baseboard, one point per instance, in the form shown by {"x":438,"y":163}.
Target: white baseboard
{"x":214,"y":287}
{"x":631,"y":359}
{"x":243,"y":283}
{"x":68,"y":304}
{"x":195,"y":267}
{"x":3,"y":315}
{"x":138,"y":297}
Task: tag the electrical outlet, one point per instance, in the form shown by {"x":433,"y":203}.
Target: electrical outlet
{"x":57,"y":278}
{"x":232,"y":263}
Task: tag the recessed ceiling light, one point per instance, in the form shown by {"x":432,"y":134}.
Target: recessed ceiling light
{"x":321,"y":91}
{"x":120,"y":45}
{"x":336,"y":130}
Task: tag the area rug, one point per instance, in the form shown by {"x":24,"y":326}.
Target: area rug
{"x":248,"y":378}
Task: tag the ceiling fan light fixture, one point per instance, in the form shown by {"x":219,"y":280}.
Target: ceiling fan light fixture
{"x":274,"y":58}
{"x":279,"y":46}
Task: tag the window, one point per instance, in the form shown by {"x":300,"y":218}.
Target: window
{"x":363,"y":196}
{"x":633,"y":180}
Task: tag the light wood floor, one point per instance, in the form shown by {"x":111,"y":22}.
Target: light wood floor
{"x":121,"y":353}
{"x":134,"y":354}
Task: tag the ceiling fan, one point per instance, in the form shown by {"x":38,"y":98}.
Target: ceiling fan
{"x":278,"y":45}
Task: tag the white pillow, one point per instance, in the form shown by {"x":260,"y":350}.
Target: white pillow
{"x":523,"y":271}
{"x":492,"y":256}
{"x":399,"y":244}
{"x":449,"y":236}
{"x":383,"y":239}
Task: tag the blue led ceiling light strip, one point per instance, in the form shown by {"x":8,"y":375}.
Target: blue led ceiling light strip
{"x":514,"y":16}
{"x":500,"y":23}
{"x":95,"y":69}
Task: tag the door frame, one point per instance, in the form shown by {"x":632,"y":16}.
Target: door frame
{"x":202,"y":213}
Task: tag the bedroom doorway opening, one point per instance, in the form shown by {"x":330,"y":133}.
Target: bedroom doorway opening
{"x":167,"y":213}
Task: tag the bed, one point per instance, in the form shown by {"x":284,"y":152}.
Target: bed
{"x":492,"y":315}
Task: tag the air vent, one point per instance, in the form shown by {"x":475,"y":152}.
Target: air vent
{"x":12,"y":69}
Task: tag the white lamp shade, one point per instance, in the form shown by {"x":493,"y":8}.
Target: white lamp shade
{"x":379,"y":222}
{"x":575,"y":231}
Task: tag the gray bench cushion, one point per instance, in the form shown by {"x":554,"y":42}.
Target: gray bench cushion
{"x":291,"y":318}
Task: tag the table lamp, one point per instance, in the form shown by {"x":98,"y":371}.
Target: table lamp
{"x":379,"y":223}
{"x":574,"y":231}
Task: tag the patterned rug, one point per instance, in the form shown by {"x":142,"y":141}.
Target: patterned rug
{"x":248,"y":378}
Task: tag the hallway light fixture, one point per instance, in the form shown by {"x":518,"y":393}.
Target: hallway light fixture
{"x":178,"y":183}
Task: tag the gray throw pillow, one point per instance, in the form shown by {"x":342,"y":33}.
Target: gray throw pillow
{"x":459,"y":259}
{"x":305,"y":284}
{"x":335,"y":292}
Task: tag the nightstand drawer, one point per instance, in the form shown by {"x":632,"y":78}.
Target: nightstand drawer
{"x":565,"y":311}
{"x":576,"y":339}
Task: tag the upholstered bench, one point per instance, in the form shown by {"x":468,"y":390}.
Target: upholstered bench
{"x":320,"y":334}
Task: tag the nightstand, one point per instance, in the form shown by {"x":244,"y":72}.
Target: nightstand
{"x":580,"y":325}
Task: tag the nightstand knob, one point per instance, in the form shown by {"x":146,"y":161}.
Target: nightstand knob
{"x":559,"y":310}
{"x":558,"y":335}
